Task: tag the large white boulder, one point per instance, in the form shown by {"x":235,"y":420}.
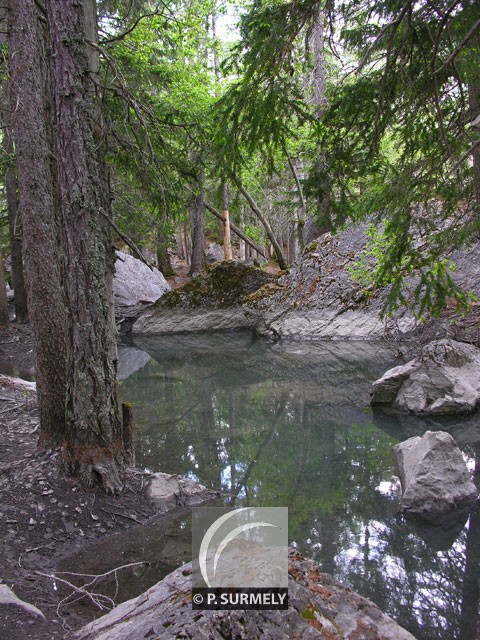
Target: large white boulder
{"x":434,"y":476}
{"x":135,"y":282}
{"x":444,"y":379}
{"x":135,"y":287}
{"x":212,"y":301}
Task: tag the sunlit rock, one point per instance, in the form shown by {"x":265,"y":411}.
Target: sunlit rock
{"x":444,"y":379}
{"x":433,"y":473}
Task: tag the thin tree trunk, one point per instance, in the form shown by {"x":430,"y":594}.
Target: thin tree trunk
{"x":180,"y":244}
{"x":302,"y":216}
{"x":216,"y":60}
{"x":163,"y":258}
{"x":242,"y":242}
{"x":238,"y":232}
{"x":197,"y":223}
{"x":3,"y":295}
{"x":227,"y":242}
{"x":42,"y":253}
{"x":474,"y":109}
{"x":14,"y":220}
{"x":319,"y":74}
{"x":186,"y":243}
{"x":264,"y":221}
{"x":94,"y":445}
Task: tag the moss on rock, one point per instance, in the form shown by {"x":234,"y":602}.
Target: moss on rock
{"x":221,"y":285}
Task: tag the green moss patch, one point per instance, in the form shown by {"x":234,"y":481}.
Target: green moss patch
{"x":221,"y":285}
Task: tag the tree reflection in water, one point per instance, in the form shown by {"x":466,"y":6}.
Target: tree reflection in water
{"x":288,"y":424}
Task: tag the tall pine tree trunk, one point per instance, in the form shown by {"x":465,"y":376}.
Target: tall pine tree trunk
{"x":319,"y":80}
{"x":42,"y":252}
{"x":93,"y":435}
{"x":14,"y":218}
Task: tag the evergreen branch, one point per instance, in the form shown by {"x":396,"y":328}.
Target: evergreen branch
{"x":454,"y":54}
{"x":383,"y":32}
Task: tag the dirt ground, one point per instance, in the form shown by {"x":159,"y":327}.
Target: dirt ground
{"x":43,"y":515}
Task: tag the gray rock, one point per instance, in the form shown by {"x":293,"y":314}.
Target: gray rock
{"x":170,"y":491}
{"x":165,"y":321}
{"x":318,"y":299}
{"x":214,"y":253}
{"x":433,"y":473}
{"x":135,"y":282}
{"x":444,"y":379}
{"x":319,"y":607}
{"x":212,"y":300}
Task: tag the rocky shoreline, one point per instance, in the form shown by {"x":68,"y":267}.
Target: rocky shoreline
{"x":319,"y":607}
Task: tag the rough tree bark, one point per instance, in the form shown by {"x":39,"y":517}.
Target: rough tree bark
{"x":3,"y":295}
{"x":42,"y":253}
{"x":94,"y":444}
{"x":164,"y":263}
{"x":14,"y":218}
{"x":319,"y":81}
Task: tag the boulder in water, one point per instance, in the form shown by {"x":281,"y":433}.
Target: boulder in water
{"x":444,"y":379}
{"x":435,"y":479}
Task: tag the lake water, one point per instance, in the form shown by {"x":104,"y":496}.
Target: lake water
{"x":289,"y":424}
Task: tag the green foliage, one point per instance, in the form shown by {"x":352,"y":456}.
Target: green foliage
{"x":394,"y":142}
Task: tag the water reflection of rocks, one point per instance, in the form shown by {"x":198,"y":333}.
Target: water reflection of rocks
{"x":288,"y":425}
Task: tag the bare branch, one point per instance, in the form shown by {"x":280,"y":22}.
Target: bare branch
{"x":123,"y":35}
{"x":127,"y":240}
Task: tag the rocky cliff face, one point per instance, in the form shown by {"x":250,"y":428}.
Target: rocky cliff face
{"x":316,"y":299}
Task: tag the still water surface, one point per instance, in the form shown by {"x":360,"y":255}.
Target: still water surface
{"x":288,"y":424}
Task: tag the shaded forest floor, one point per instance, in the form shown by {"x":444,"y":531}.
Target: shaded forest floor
{"x":43,"y":515}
